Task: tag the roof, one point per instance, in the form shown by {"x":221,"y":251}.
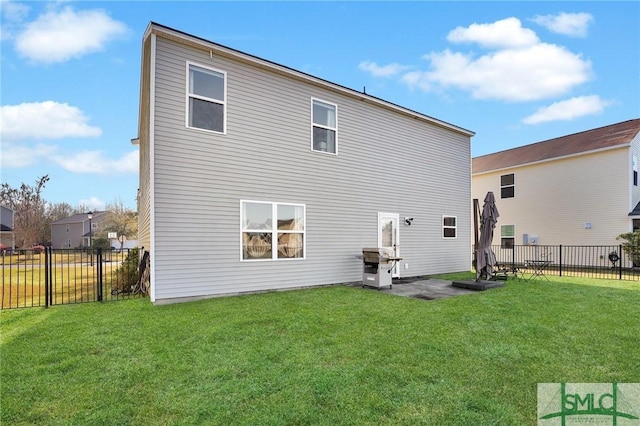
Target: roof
{"x":197,"y":42}
{"x":635,"y":211}
{"x":607,"y":137}
{"x":77,"y":218}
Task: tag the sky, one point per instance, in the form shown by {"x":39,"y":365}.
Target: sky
{"x":514,"y":73}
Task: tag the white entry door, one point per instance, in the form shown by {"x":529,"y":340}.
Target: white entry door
{"x":389,"y":235}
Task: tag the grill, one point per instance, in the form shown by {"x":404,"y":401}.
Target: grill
{"x":377,"y":265}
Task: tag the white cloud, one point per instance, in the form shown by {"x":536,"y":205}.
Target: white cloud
{"x":12,"y":156}
{"x":569,"y":109}
{"x":505,"y":33}
{"x":536,"y":72}
{"x":44,"y":120}
{"x":91,"y":204}
{"x":12,"y":14}
{"x":521,"y":68}
{"x":95,"y":162}
{"x":60,"y":35}
{"x":571,"y":24}
{"x":382,"y":71}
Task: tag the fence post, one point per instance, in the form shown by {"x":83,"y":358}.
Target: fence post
{"x":560,"y":256}
{"x":99,"y":270}
{"x":47,"y":272}
{"x":620,"y":266}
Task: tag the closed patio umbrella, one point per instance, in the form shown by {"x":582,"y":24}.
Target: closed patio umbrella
{"x":485,"y":258}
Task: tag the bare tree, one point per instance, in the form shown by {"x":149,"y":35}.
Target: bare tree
{"x":30,"y":211}
{"x":57,"y":211}
{"x":121,"y":220}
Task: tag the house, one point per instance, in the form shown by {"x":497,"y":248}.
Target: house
{"x":580,"y":189}
{"x":7,"y":234}
{"x":255,"y":176}
{"x":76,"y":230}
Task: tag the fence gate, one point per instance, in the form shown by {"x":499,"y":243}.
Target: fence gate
{"x":49,"y":277}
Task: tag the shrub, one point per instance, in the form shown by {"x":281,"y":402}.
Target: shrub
{"x":100,"y":242}
{"x":126,"y":275}
{"x":631,"y":246}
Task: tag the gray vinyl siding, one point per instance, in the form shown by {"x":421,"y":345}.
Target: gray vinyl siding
{"x":60,"y":237}
{"x":144,"y":191}
{"x":6,"y":217}
{"x":387,"y":162}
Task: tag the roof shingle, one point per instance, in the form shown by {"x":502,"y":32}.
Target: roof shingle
{"x":77,"y":218}
{"x":620,"y":134}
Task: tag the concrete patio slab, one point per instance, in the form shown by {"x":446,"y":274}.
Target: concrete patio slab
{"x":427,"y":289}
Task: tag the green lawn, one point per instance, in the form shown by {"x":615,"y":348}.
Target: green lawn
{"x":328,"y":356}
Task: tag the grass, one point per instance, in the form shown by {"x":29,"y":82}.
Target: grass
{"x":336,"y":355}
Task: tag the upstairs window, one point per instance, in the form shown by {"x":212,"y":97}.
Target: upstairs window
{"x":449,"y":227}
{"x":325,"y":127}
{"x":507,"y":186}
{"x":206,"y":89}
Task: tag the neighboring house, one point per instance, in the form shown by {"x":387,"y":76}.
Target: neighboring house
{"x":255,"y":176}
{"x":74,"y":231}
{"x":7,"y":234}
{"x":580,"y":189}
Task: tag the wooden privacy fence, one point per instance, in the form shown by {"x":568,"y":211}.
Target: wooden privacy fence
{"x":49,"y":277}
{"x":605,"y":262}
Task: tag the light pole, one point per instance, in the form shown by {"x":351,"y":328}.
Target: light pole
{"x":90,"y":216}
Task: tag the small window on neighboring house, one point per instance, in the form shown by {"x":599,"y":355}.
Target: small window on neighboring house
{"x":635,"y":178}
{"x":67,"y":229}
{"x":272,"y":230}
{"x":68,"y":243}
{"x":634,"y":166}
{"x":325,"y":127}
{"x":507,"y":186}
{"x":94,"y":226}
{"x":507,"y":236}
{"x":449,"y":226}
{"x":206,"y":90}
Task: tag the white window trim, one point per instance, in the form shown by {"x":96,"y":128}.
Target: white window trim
{"x":324,"y":127}
{"x":449,"y":227}
{"x":204,"y":98}
{"x":274,"y":232}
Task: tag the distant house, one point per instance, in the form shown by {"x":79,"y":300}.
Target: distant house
{"x":7,"y":234}
{"x":255,"y":176}
{"x":580,"y":189}
{"x":74,"y":231}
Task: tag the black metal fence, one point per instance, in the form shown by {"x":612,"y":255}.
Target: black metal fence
{"x":49,"y":277}
{"x":605,"y":262}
